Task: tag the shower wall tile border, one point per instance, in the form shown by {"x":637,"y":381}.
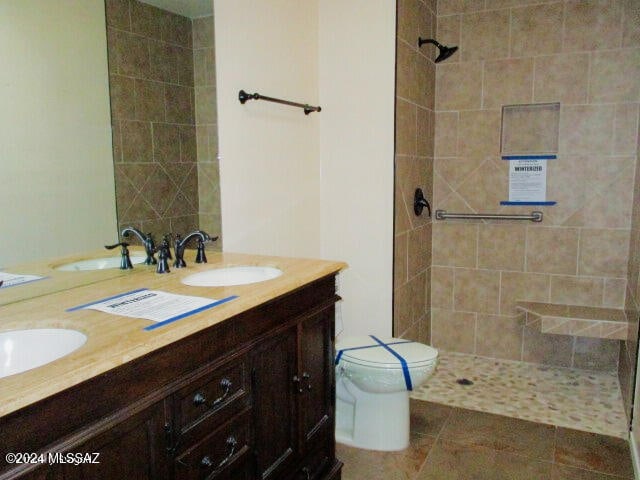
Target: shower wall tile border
{"x":415,"y":132}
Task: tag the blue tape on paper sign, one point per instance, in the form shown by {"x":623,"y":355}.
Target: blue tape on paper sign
{"x":80,"y":307}
{"x":529,"y":157}
{"x":24,"y":283}
{"x":192,"y":312}
{"x":164,"y":322}
{"x":506,"y":202}
{"x":380,"y":344}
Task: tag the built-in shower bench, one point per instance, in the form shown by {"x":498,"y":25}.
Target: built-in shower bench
{"x":575,"y":320}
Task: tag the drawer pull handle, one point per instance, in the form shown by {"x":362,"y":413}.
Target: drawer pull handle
{"x":231,"y":443}
{"x":306,"y":471}
{"x":296,"y":382}
{"x":200,"y":399}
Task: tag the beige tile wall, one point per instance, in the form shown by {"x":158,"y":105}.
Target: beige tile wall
{"x":204,"y":64}
{"x":415,"y":87}
{"x":586,"y":56}
{"x":629,"y":352}
{"x":151,"y":66}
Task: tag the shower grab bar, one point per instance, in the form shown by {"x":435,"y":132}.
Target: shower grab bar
{"x":244,"y":96}
{"x":443,"y":215}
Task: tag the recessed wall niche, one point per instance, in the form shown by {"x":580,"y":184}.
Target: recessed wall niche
{"x":530,"y":128}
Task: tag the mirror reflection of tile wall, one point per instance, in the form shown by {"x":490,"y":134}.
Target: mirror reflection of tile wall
{"x":157,"y":77}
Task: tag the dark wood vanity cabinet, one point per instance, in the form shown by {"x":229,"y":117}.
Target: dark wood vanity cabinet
{"x":294,"y":391}
{"x":132,"y":448}
{"x":249,"y":398}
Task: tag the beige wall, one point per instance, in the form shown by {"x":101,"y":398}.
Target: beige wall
{"x":269,"y":161}
{"x":415,"y":96}
{"x":153,"y":110}
{"x":356,"y":72}
{"x":317,"y":185}
{"x":57,"y":191}
{"x":586,"y":56}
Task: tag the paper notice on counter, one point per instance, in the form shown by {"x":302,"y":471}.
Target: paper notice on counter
{"x":12,"y":279}
{"x":151,"y":305}
{"x":527,"y":180}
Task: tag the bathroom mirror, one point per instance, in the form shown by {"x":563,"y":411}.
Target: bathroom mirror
{"x":94,"y":134}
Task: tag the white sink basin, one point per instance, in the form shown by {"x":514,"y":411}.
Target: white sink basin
{"x":99,"y":263}
{"x":22,"y":350}
{"x":226,"y":277}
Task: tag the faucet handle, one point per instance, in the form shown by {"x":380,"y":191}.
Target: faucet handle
{"x":150,"y":249}
{"x":163,"y":259}
{"x":201,"y":257}
{"x":125,"y":261}
{"x":166,"y":242}
{"x":179,"y":247}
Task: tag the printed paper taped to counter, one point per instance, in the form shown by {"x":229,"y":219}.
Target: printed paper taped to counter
{"x":152,"y":305}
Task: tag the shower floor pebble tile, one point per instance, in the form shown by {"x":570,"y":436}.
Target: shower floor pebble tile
{"x":578,"y":399}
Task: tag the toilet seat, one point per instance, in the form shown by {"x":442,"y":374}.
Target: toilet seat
{"x":366,"y":351}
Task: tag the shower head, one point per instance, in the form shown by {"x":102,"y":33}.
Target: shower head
{"x":445,"y":52}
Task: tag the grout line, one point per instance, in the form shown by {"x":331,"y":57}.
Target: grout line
{"x":483,"y":65}
{"x":589,"y":69}
{"x":509,"y":37}
{"x":577,"y":274}
{"x":563,"y":29}
{"x":477,"y":266}
{"x":453,"y":290}
{"x":475,"y":334}
{"x":500,"y":294}
{"x":437,"y":439}
{"x":524,"y":323}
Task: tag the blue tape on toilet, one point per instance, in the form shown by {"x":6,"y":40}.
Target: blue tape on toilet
{"x":381,"y":344}
{"x":377,"y":345}
{"x":403,"y":362}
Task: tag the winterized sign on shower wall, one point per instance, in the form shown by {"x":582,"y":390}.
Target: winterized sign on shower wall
{"x":528,"y":179}
{"x":529,"y":141}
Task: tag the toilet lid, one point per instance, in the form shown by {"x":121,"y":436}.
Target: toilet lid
{"x":384,"y":352}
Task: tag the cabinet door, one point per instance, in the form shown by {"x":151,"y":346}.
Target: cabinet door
{"x":317,"y":372}
{"x":42,"y":472}
{"x":274,"y":407}
{"x":132,"y":449}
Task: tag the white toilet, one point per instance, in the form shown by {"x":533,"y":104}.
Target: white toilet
{"x":373,"y":379}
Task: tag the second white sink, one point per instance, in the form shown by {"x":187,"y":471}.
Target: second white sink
{"x":226,"y":277}
{"x":98,"y":263}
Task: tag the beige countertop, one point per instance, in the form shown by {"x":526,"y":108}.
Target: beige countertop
{"x":56,"y":280}
{"x":114,"y":340}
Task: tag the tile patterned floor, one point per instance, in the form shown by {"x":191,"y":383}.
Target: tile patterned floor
{"x":578,"y":399}
{"x":449,"y":443}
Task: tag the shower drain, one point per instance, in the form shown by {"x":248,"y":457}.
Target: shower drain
{"x":464,"y":381}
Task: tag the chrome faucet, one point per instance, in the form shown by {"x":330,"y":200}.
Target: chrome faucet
{"x":147,"y":242}
{"x":181,"y":244}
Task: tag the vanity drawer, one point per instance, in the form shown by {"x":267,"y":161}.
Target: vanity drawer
{"x":225,"y":454}
{"x":313,"y":465}
{"x":223,"y":389}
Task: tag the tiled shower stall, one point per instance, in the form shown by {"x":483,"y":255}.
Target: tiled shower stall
{"x":456,"y":282}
